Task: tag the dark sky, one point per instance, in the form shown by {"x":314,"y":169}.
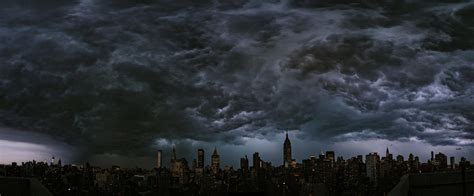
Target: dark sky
{"x":116,"y":80}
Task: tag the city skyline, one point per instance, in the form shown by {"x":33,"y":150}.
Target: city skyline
{"x":112,"y":81}
{"x":202,"y":162}
{"x":324,"y":174}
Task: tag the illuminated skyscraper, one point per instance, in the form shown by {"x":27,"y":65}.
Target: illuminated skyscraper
{"x":287,"y":151}
{"x":158,"y":159}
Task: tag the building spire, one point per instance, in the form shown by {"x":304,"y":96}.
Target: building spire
{"x":287,"y":151}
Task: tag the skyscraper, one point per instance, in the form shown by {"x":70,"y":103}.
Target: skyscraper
{"x":200,"y":159}
{"x":452,"y":162}
{"x":256,"y":160}
{"x":158,"y":159}
{"x":372,"y":162}
{"x":388,"y":156}
{"x":330,"y":155}
{"x":215,"y":161}
{"x":244,"y":163}
{"x":441,"y":161}
{"x":287,"y":151}
{"x":176,"y":165}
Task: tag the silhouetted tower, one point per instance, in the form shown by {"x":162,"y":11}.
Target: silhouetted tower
{"x":287,"y":151}
{"x":451,"y":160}
{"x":388,"y":156}
{"x":256,"y":160}
{"x":244,"y":163}
{"x":200,"y":159}
{"x":174,"y":154}
{"x":215,"y":161}
{"x":372,"y":162}
{"x":158,"y":159}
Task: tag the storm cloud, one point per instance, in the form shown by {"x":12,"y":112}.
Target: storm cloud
{"x":118,"y":77}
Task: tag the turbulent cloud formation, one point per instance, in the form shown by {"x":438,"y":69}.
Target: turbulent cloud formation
{"x":116,"y":77}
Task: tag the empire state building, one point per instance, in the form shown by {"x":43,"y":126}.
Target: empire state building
{"x":287,"y":151}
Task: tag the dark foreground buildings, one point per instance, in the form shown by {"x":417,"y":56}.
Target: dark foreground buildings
{"x":325,"y":174}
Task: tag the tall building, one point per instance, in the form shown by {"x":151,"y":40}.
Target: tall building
{"x":400,"y":159}
{"x":176,"y":165}
{"x":451,"y":160}
{"x":330,"y":155}
{"x":244,"y":163}
{"x":200,"y":159}
{"x":372,"y":162}
{"x":158,"y":159}
{"x":215,"y":161}
{"x":287,"y":151}
{"x":256,"y":160}
{"x":441,"y":161}
{"x":388,"y":156}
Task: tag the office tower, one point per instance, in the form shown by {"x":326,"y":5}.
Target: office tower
{"x":432,"y":155}
{"x":330,"y":155}
{"x":287,"y":151}
{"x":411,"y":163}
{"x":244,"y":163}
{"x":256,"y":160}
{"x":411,"y":157}
{"x":372,"y":161}
{"x":451,"y":161}
{"x":441,"y":161}
{"x":158,"y":159}
{"x":53,"y":160}
{"x":388,"y":156}
{"x":200,"y":159}
{"x":176,"y":165}
{"x":215,"y":161}
{"x":400,"y":159}
{"x":194,"y":165}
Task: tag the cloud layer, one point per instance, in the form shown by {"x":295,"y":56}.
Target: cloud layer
{"x":115,"y":77}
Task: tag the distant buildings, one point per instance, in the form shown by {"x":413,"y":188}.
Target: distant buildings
{"x":323,"y":174}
